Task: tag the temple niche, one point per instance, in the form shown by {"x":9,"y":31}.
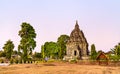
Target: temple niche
{"x":77,"y":46}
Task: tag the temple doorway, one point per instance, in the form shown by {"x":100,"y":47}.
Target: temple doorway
{"x":75,"y":53}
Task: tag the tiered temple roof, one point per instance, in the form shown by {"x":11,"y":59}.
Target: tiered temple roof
{"x":77,"y":35}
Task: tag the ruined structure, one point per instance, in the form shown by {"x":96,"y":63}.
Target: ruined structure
{"x":77,"y":46}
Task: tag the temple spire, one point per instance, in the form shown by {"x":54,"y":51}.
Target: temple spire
{"x":76,"y":25}
{"x":76,"y":22}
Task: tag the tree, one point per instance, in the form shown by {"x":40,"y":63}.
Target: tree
{"x":93,"y":52}
{"x":27,"y":42}
{"x":113,"y":50}
{"x":115,"y":53}
{"x":116,"y":49}
{"x":15,"y":52}
{"x":37,"y":56}
{"x":42,"y":51}
{"x":99,"y":51}
{"x":62,"y":40}
{"x":50,"y":49}
{"x":2,"y":54}
{"x":8,"y":49}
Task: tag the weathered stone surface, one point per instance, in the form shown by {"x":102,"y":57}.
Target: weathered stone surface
{"x":77,"y":46}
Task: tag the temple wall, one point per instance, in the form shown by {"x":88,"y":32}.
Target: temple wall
{"x":77,"y":45}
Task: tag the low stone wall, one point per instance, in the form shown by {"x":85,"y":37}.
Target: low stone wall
{"x":92,"y":62}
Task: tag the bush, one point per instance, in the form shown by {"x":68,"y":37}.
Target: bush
{"x":2,"y":61}
{"x":51,"y":60}
{"x":114,"y":57}
{"x":16,"y":61}
{"x":11,"y":61}
{"x":20,"y":61}
{"x":73,"y":61}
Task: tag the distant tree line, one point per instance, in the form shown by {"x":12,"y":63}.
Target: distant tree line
{"x":26,"y":46}
{"x":53,"y":50}
{"x":113,"y":54}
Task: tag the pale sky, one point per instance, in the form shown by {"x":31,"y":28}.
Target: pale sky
{"x":99,"y":20}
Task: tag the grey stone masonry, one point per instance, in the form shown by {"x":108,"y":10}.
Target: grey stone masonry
{"x":77,"y":46}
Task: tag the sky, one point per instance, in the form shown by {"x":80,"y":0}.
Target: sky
{"x":98,"y":19}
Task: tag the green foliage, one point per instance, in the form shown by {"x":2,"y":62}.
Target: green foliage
{"x":8,"y":48}
{"x":16,"y":61}
{"x":20,"y":61}
{"x":116,"y":53}
{"x":113,"y":50}
{"x":55,"y":50}
{"x":100,"y":51}
{"x":37,"y":56}
{"x":51,"y":60}
{"x":2,"y":54}
{"x":42,"y":51}
{"x":73,"y":61}
{"x":1,"y":60}
{"x":50,"y":49}
{"x":93,"y":52}
{"x":15,"y":52}
{"x":62,"y":40}
{"x":114,"y":57}
{"x":117,"y":49}
{"x":11,"y":61}
{"x":27,"y":43}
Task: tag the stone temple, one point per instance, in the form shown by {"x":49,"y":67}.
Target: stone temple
{"x":77,"y":46}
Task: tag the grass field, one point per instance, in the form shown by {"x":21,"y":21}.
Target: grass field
{"x":58,"y":68}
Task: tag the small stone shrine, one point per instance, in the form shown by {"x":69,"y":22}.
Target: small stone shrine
{"x":77,"y":46}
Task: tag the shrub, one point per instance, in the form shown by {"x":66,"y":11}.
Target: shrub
{"x":20,"y":61}
{"x":11,"y":61}
{"x":51,"y":60}
{"x":114,"y":57}
{"x":16,"y":61}
{"x":2,"y":61}
{"x":73,"y":61}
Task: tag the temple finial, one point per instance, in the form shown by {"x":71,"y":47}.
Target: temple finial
{"x":76,"y":22}
{"x":76,"y":25}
